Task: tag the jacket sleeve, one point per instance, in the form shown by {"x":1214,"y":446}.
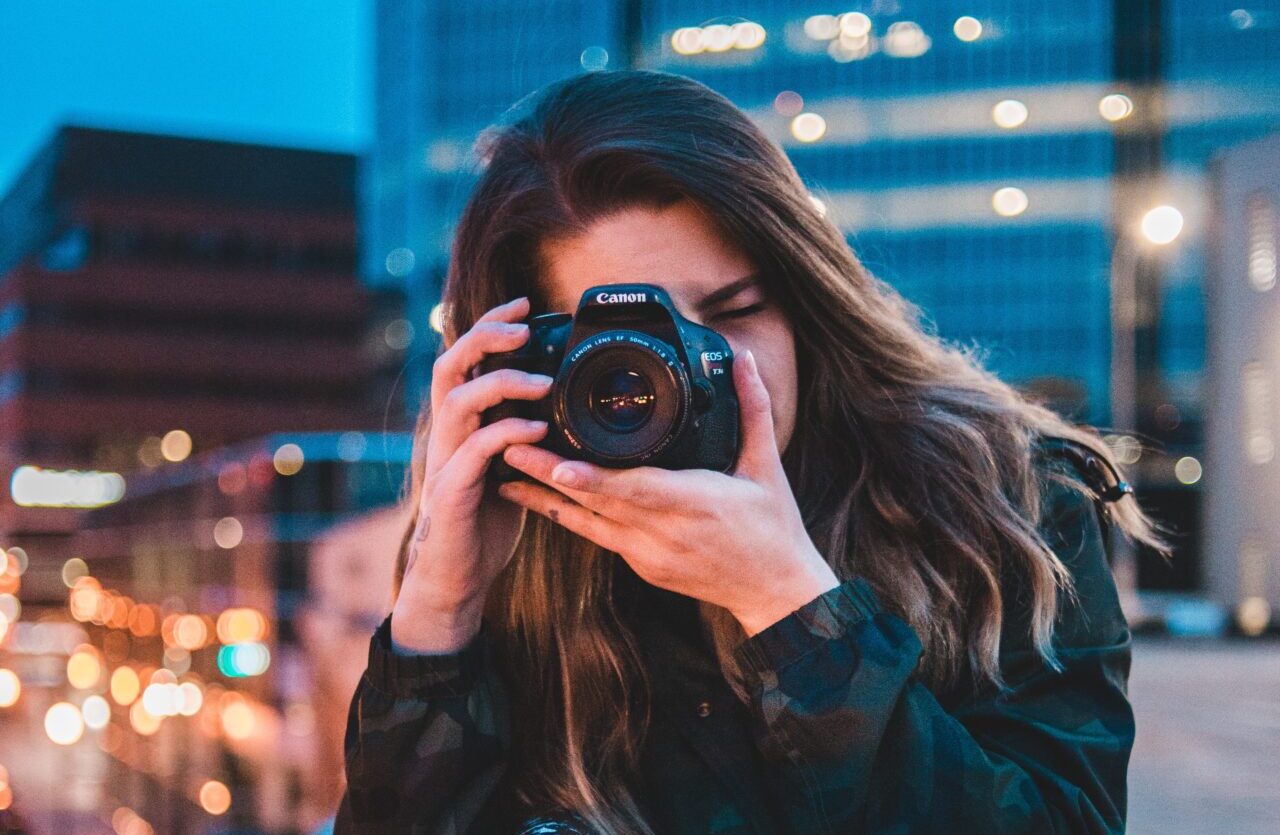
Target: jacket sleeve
{"x":426,"y":740}
{"x":859,"y":745}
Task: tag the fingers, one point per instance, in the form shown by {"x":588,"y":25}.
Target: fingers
{"x":496,"y":331}
{"x":623,"y":494}
{"x":562,"y":510}
{"x":758,"y":458}
{"x":507,"y":311}
{"x":465,"y":469}
{"x":460,"y":411}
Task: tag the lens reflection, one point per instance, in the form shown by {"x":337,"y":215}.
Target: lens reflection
{"x":621,"y":399}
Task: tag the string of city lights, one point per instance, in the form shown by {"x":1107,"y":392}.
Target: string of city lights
{"x":110,"y":678}
{"x":150,"y":693}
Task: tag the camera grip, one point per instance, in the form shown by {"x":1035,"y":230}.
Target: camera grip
{"x":499,"y":470}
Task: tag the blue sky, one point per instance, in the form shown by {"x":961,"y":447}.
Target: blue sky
{"x":281,"y":72}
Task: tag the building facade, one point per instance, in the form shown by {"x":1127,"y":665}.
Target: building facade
{"x":1244,"y":375}
{"x":152,"y":285}
{"x":988,"y":160}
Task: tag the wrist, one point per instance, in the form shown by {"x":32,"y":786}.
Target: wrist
{"x":816,"y":578}
{"x":433,"y":627}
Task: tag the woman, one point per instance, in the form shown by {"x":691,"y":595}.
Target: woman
{"x":893,"y":615}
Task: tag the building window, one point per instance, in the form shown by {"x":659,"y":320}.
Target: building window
{"x":1260,"y":225}
{"x":1259,"y":438}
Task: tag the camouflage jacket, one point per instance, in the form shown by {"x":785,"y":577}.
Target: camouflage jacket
{"x":839,"y":736}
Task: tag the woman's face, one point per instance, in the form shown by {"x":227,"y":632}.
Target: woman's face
{"x":709,"y":281}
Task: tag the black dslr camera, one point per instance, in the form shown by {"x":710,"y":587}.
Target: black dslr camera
{"x":635,"y":384}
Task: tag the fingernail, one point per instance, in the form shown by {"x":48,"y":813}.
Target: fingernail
{"x":564,"y":475}
{"x":517,"y":300}
{"x":514,"y":327}
{"x":749,"y":360}
{"x":541,"y":379}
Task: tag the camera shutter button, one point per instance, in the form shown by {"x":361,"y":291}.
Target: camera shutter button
{"x":703,"y":395}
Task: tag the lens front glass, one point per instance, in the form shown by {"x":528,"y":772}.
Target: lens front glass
{"x":621,"y":399}
{"x":624,"y":397}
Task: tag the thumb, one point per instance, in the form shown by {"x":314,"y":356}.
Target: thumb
{"x":759,"y":455}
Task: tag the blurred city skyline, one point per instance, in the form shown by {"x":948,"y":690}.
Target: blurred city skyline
{"x":223,"y":234}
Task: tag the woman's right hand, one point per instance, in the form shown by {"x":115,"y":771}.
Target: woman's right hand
{"x":465,"y":533}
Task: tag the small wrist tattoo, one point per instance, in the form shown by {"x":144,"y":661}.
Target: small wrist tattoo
{"x":419,"y":536}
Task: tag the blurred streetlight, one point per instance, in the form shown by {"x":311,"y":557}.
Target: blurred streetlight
{"x":1159,"y":227}
{"x":1162,"y":225}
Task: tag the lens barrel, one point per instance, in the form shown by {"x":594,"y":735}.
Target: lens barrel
{"x":625,"y":397}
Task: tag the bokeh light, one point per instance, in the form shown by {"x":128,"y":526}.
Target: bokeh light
{"x":233,"y":478}
{"x":594,"y":58}
{"x":190,"y":632}
{"x":436,"y":317}
{"x":854,"y":25}
{"x":85,"y":601}
{"x":175,"y":445}
{"x":1115,"y":106}
{"x":64,"y":724}
{"x":288,"y":459}
{"x":1253,"y":615}
{"x":13,"y":562}
{"x":237,"y":718}
{"x":1162,"y":224}
{"x":125,"y":685}
{"x":125,"y":821}
{"x":241,"y":624}
{"x":84,"y":669}
{"x":808,"y":127}
{"x":967,"y":29}
{"x":190,"y":698}
{"x":822,"y":27}
{"x":142,"y":720}
{"x":1009,"y":113}
{"x":215,"y":797}
{"x":228,"y":532}
{"x":96,"y":712}
{"x":352,"y":446}
{"x":400,"y":261}
{"x":1188,"y":470}
{"x":72,"y":570}
{"x":10,"y":607}
{"x":1009,"y":201}
{"x":241,"y":660}
{"x":10,"y":688}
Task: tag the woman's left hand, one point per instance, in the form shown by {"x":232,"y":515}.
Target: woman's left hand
{"x":735,"y":540}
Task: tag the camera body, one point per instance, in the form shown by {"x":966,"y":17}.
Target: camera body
{"x":635,"y":383}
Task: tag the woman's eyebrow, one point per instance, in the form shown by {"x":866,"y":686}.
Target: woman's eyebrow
{"x":727,"y":292}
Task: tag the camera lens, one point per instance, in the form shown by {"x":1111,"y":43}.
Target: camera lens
{"x":621,"y":399}
{"x":625,"y":397}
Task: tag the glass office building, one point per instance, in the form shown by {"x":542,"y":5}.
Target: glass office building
{"x":444,"y":71}
{"x":968,"y":152}
{"x":985,"y":157}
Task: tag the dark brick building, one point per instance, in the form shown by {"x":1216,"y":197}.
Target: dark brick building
{"x":154,"y":283}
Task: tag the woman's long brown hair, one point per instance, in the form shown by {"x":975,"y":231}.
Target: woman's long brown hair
{"x":912,"y":465}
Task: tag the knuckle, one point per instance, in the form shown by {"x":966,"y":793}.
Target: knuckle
{"x":509,"y":377}
{"x":639,"y":493}
{"x":491,"y":331}
{"x":444,"y":361}
{"x":456,"y":397}
{"x":660,"y":571}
